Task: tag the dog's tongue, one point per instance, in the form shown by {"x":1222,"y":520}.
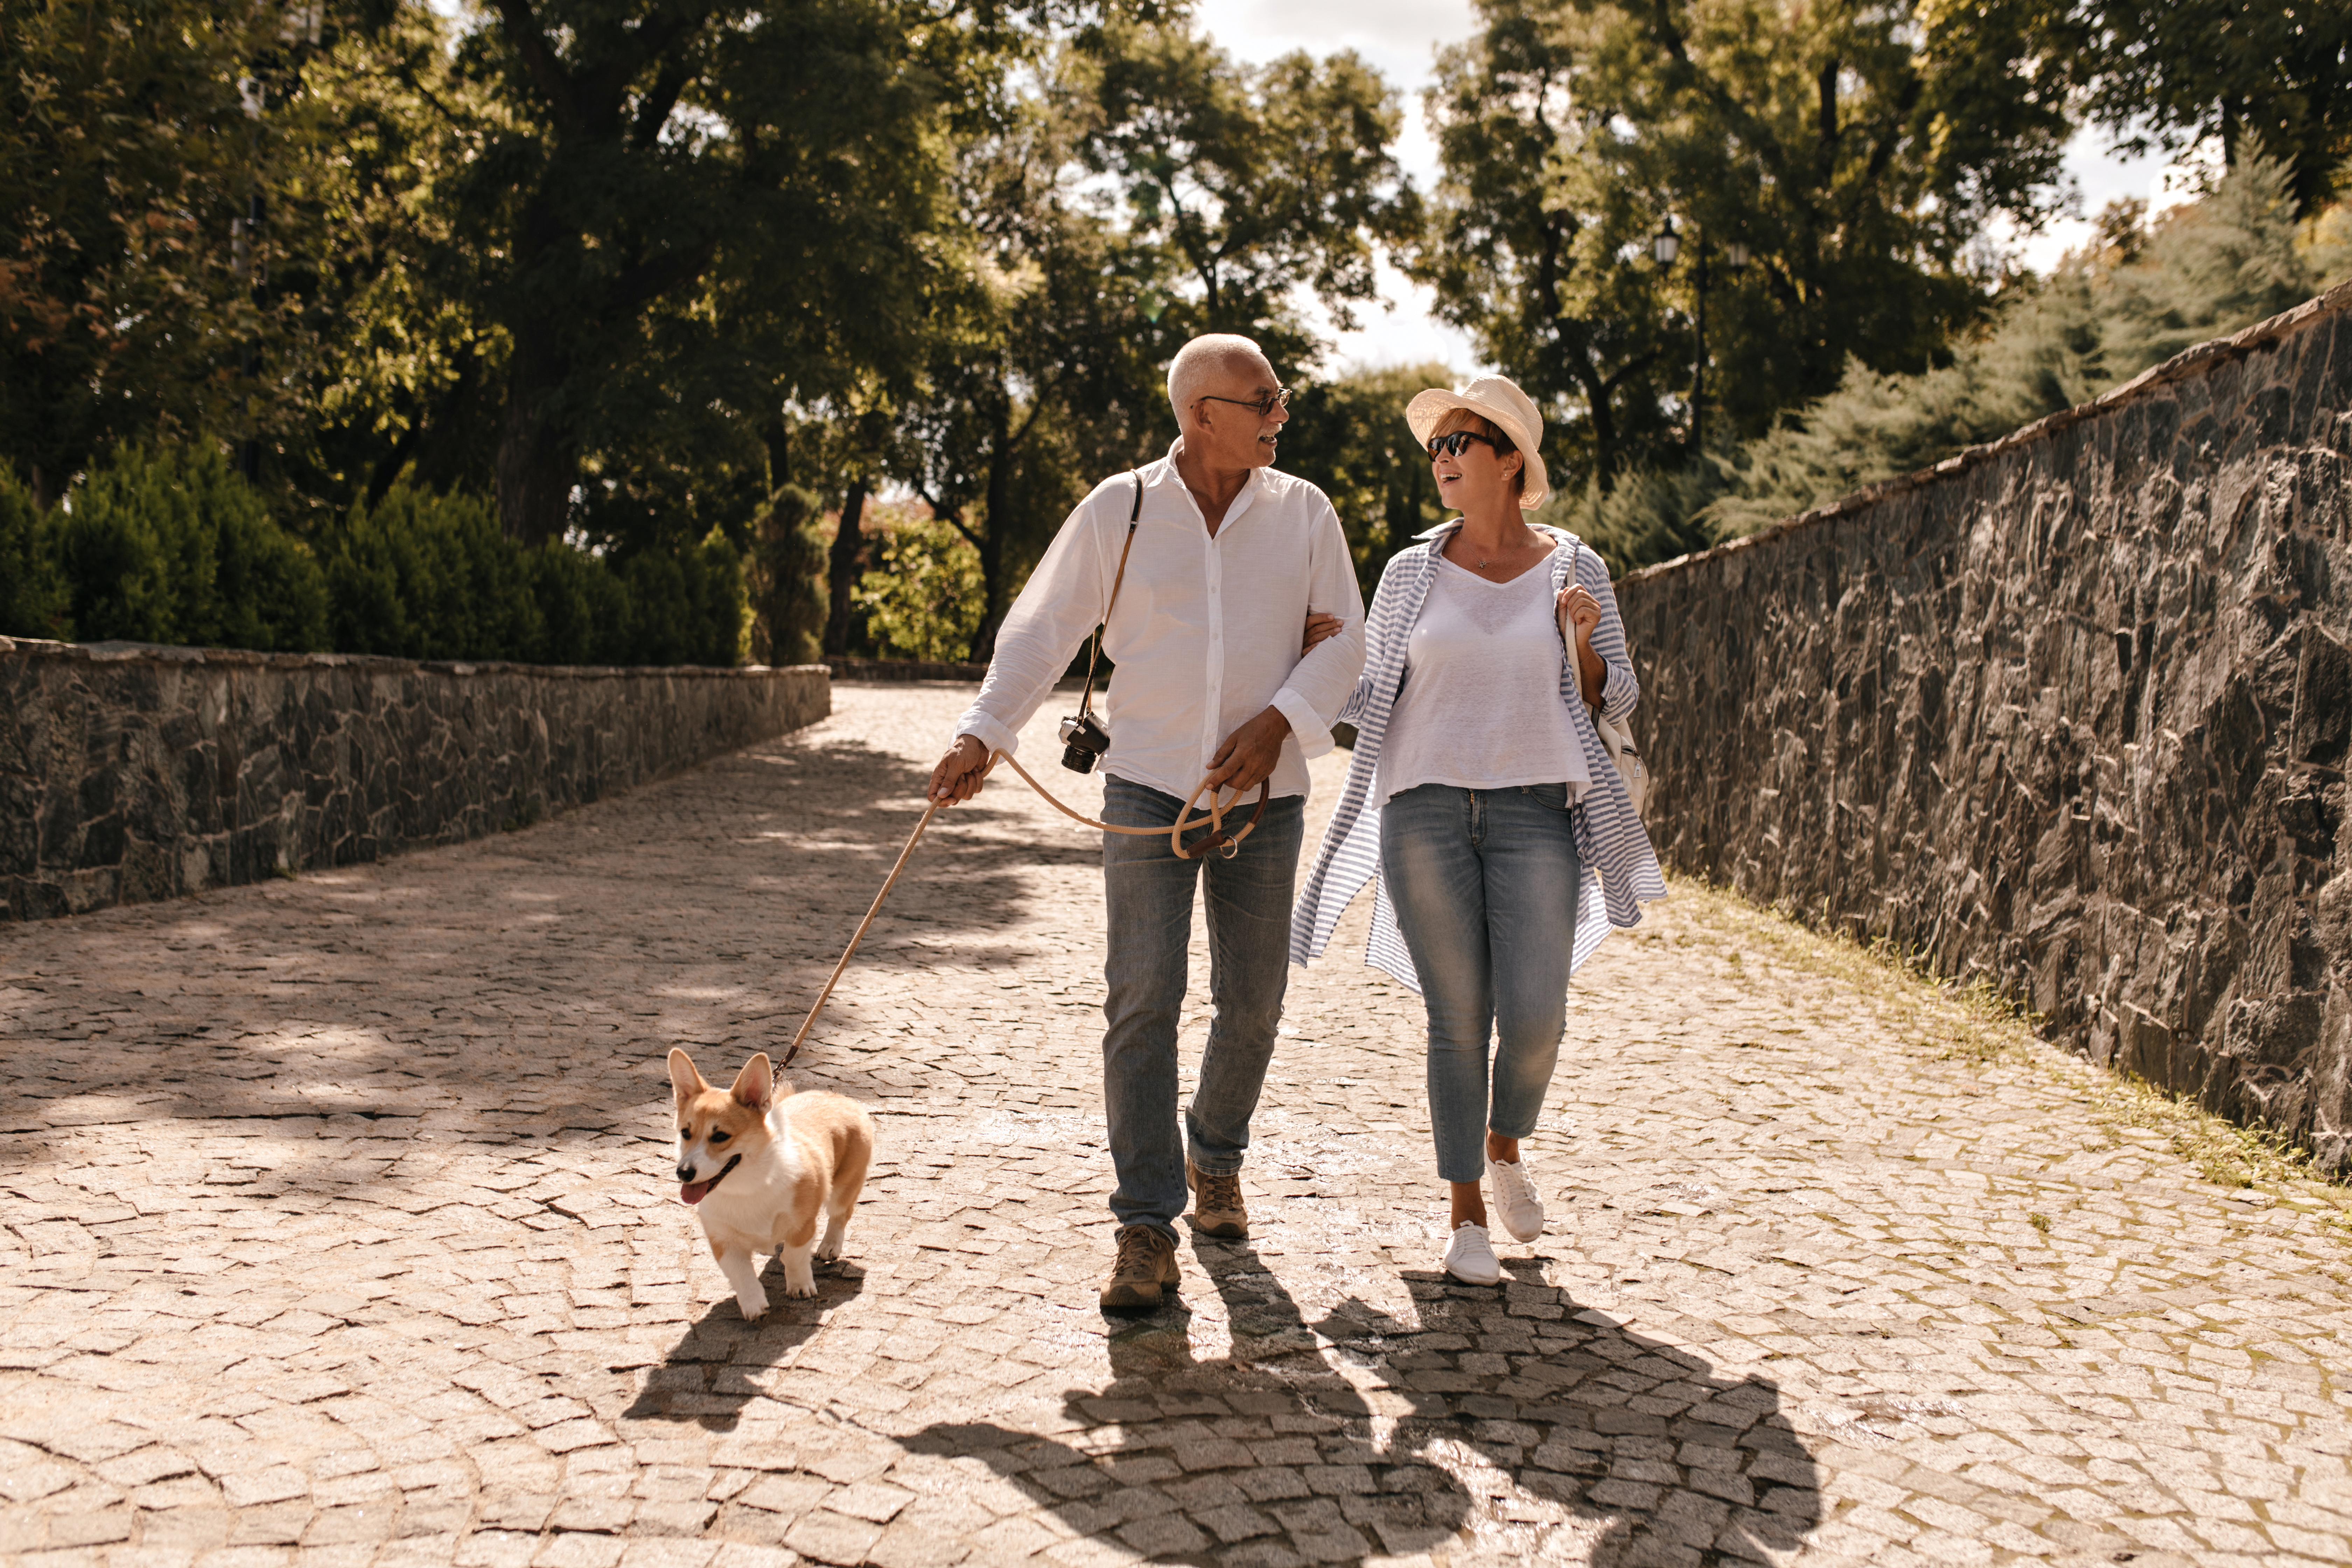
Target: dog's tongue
{"x":693,"y":1192}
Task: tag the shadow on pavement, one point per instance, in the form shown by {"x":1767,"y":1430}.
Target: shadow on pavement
{"x":1506,"y":1425}
{"x":711,"y":1373}
{"x":534,"y":980}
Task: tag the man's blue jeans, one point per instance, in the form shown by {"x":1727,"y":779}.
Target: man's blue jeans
{"x":1484,"y":884}
{"x":1147,"y":896}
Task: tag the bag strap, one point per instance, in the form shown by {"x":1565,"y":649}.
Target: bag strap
{"x":1094,"y":653}
{"x":1567,"y":643}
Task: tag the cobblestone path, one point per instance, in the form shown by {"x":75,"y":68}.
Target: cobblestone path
{"x":338,"y":1225}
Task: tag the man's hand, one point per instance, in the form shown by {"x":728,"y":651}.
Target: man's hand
{"x":1246,"y":759}
{"x":1320,"y":626}
{"x":958,"y":776}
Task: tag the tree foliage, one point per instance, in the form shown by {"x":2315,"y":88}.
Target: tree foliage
{"x":127,"y":160}
{"x":1348,"y":435}
{"x":2142,"y":294}
{"x":584,"y":315}
{"x":1854,"y":150}
{"x":2273,"y":74}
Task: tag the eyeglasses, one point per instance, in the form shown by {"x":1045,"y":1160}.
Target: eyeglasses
{"x":1451,"y":446}
{"x":1265,"y":402}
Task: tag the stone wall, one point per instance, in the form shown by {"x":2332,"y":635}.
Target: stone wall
{"x":2069,"y":711}
{"x":129,"y":773}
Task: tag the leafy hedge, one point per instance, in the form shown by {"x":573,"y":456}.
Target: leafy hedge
{"x":170,"y":546}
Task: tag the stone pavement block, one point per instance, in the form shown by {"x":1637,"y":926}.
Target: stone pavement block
{"x":386,"y":1267}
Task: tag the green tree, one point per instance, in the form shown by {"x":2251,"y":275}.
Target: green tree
{"x":2137,"y":298}
{"x":399,"y":369}
{"x":1348,"y":436}
{"x":922,"y":599}
{"x":1237,"y":191}
{"x":785,"y":578}
{"x":127,"y":162}
{"x":2275,"y":74}
{"x":1043,"y":369}
{"x":1252,"y":182}
{"x":691,"y":203}
{"x":1855,"y":149}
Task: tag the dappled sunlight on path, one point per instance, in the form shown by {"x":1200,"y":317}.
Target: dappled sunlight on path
{"x":338,"y":1217}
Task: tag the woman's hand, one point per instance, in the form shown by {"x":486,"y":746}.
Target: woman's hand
{"x":1320,"y":626}
{"x":1580,"y":610}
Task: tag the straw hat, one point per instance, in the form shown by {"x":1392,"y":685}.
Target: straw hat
{"x":1496,"y":398}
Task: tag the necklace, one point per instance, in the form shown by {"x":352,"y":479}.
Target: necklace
{"x":1485,"y":562}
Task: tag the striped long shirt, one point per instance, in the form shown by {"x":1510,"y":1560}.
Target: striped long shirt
{"x":1621,"y":869}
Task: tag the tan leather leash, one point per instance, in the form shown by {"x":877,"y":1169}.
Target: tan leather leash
{"x":1217,"y":839}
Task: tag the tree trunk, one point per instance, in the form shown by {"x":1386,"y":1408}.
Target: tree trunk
{"x":1598,"y":409}
{"x":992,"y":542}
{"x":842,"y":567}
{"x":538,"y":463}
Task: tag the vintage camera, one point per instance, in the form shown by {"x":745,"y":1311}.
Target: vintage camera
{"x":1084,"y":740}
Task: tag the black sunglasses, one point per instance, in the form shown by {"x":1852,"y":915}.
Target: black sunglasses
{"x":1265,"y":402}
{"x":1451,"y":446}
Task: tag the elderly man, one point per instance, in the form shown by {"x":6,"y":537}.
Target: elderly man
{"x":1226,"y":560}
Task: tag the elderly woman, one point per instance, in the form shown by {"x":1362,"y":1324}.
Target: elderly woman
{"x":1483,"y":798}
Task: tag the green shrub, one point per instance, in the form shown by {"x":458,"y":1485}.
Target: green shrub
{"x":689,"y":607}
{"x":721,"y":602}
{"x":32,"y":589}
{"x":171,"y":546}
{"x":425,"y":576}
{"x":583,"y":607}
{"x":788,"y":576}
{"x":924,"y":600}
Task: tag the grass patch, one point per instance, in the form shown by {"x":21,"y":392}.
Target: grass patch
{"x":2224,"y":1153}
{"x":1972,"y":1022}
{"x":1948,"y":1019}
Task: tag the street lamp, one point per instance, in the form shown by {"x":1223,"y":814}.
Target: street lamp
{"x":1664,"y":246}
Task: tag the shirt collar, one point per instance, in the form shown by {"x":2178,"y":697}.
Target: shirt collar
{"x":1560,"y":536}
{"x":1166,"y":473}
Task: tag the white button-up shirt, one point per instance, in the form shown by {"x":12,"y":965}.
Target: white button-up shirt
{"x":1205,"y":634}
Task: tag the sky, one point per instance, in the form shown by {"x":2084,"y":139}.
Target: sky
{"x":1401,"y":37}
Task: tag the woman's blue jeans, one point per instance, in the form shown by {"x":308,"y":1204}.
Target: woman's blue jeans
{"x":1484,"y":884}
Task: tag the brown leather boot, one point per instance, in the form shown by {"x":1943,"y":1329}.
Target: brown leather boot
{"x":1145,"y":1274}
{"x":1217,"y":1207}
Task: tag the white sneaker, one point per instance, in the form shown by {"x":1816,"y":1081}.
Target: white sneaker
{"x":1516,"y":1195}
{"x":1469,"y":1257}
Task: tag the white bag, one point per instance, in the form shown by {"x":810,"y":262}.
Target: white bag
{"x":1618,"y":742}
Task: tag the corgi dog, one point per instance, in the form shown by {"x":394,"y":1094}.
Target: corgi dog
{"x":756,"y":1163}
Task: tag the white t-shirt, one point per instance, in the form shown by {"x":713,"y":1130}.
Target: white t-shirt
{"x":1481,"y":707}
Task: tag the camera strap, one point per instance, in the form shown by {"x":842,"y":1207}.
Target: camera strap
{"x":1094,"y":653}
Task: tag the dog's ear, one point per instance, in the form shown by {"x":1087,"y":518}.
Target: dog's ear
{"x":682,"y":1076}
{"x":755,"y":1085}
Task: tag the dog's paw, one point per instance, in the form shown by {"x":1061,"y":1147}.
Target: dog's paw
{"x":753,"y":1311}
{"x":829,"y":1253}
{"x":799,"y":1282}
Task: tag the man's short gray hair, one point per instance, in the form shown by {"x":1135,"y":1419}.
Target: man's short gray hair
{"x":1200,"y":361}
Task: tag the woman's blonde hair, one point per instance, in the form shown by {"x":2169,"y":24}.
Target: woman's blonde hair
{"x":1455,"y":419}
